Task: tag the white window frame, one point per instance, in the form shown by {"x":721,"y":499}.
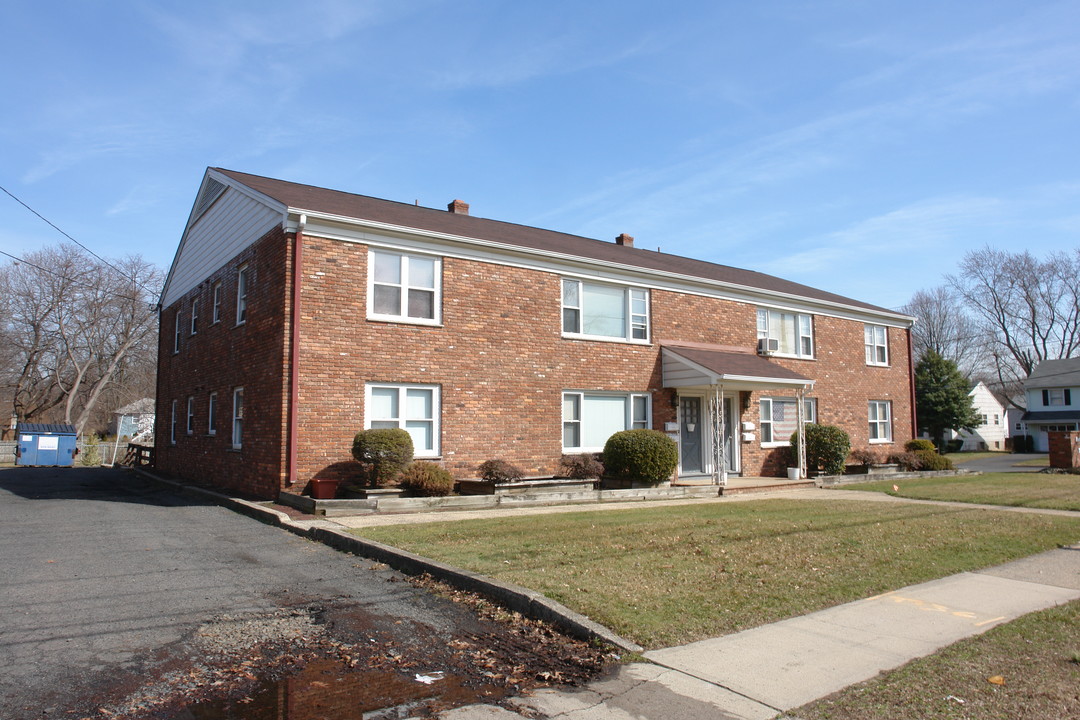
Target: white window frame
{"x":770,"y":326}
{"x":1057,"y":397}
{"x":238,"y":418}
{"x":881,"y":423}
{"x":176,"y":331}
{"x":632,"y":419}
{"x":172,"y":425}
{"x":190,"y":425}
{"x":195,"y":316}
{"x":809,"y":416}
{"x":216,"y":315}
{"x":876,"y":343}
{"x":243,"y":282}
{"x":403,"y":286}
{"x":211,"y":415}
{"x":636,"y":310}
{"x":403,"y":419}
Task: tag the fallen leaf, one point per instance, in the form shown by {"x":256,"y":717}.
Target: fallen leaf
{"x":996,"y":680}
{"x":896,"y":488}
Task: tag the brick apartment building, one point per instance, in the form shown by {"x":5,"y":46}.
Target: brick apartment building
{"x":295,"y":316}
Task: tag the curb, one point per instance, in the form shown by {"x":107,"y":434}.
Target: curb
{"x":514,"y":597}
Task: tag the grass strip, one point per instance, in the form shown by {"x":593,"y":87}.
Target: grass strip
{"x":1034,"y":490}
{"x":671,"y":575}
{"x":1036,"y":660}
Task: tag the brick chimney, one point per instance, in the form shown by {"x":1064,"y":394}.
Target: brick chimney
{"x":625,"y":240}
{"x":458,"y":208}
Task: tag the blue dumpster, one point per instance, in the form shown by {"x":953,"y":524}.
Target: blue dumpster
{"x":45,"y":444}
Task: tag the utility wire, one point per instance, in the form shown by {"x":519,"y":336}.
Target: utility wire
{"x":70,"y":279}
{"x":54,"y":227}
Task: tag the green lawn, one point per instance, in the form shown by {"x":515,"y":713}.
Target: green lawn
{"x":963,"y":457}
{"x":1035,"y":490}
{"x":666,"y":576}
{"x":1037,"y":658}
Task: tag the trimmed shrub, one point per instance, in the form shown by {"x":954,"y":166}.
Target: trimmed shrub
{"x":908,"y":461}
{"x":641,"y":455}
{"x":580,"y":467}
{"x":383,"y":453}
{"x":827,"y":447}
{"x":918,"y":444}
{"x":864,"y":456}
{"x":931,"y":460}
{"x":497,"y":471}
{"x":427,"y":479}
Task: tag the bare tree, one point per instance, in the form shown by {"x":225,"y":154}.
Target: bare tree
{"x":944,"y":326}
{"x":1028,"y":309}
{"x":77,"y":327}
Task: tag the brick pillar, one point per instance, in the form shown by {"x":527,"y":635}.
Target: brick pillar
{"x":1064,"y":449}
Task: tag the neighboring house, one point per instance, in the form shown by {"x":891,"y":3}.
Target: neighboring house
{"x":1014,"y":415}
{"x":1053,"y":399}
{"x":134,"y":420}
{"x":993,"y":430}
{"x":294,"y":316}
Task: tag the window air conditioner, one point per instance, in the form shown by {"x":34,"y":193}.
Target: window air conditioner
{"x":767,"y":346}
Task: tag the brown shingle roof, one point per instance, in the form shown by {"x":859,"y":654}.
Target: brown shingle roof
{"x":730,"y":362}
{"x":335,"y":202}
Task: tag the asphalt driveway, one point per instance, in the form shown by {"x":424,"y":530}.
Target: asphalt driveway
{"x":105,"y":579}
{"x":1003,"y":462}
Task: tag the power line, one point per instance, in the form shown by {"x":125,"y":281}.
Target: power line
{"x":54,"y":227}
{"x":73,"y":280}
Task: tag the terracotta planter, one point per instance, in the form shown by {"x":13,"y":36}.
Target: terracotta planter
{"x":323,"y":488}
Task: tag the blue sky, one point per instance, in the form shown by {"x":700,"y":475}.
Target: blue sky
{"x":860,"y":147}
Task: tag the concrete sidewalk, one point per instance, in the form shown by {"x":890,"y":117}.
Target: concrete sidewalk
{"x":760,"y":673}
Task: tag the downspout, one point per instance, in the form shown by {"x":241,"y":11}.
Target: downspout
{"x":911,"y":383}
{"x":294,"y":348}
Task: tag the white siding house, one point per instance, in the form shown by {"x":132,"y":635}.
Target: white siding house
{"x":994,"y":429}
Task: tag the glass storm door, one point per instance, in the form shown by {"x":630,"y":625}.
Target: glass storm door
{"x":691,"y":432}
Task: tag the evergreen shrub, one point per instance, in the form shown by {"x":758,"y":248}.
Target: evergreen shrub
{"x":641,"y":455}
{"x":383,"y":453}
{"x":427,"y":479}
{"x":827,"y":448}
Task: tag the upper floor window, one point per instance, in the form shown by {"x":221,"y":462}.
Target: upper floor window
{"x":242,"y":282}
{"x":880,"y":416}
{"x":589,"y":419}
{"x":413,"y":408}
{"x":404,"y":287}
{"x":172,"y":424}
{"x":217,"y":302}
{"x":195,"y":316}
{"x":605,"y":311}
{"x":1057,"y":396}
{"x":190,"y":415}
{"x":779,"y":418}
{"x":793,"y":333}
{"x":176,"y":333}
{"x":876,"y":339}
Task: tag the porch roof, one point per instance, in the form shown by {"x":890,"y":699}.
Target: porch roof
{"x":687,"y":364}
{"x":1051,"y":417}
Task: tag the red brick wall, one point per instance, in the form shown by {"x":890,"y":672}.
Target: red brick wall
{"x":1064,"y":449}
{"x":502,"y":364}
{"x":221,"y":357}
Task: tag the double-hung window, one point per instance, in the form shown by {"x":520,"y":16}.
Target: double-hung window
{"x":176,"y":333}
{"x":1057,"y":396}
{"x":217,"y":302}
{"x":190,"y":415}
{"x":238,"y":418}
{"x":211,"y":415}
{"x":413,"y":408}
{"x":779,"y":418}
{"x":404,"y":288}
{"x":875,"y":339}
{"x":595,"y":310}
{"x":195,"y":316}
{"x":172,"y":424}
{"x":880,"y":416}
{"x":243,"y":279}
{"x":589,"y":419}
{"x":791,"y":333}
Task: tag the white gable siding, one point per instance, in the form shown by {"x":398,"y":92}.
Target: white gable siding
{"x":992,"y":434}
{"x":233,"y":223}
